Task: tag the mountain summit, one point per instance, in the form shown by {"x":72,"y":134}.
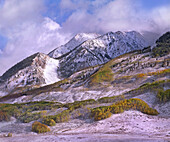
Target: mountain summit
{"x":82,"y":51}
{"x":115,"y":76}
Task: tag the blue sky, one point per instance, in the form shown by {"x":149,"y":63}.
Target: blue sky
{"x":29,"y":26}
{"x":54,"y":11}
{"x":3,"y":41}
{"x":154,"y":3}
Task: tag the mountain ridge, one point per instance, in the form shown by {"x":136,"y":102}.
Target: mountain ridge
{"x":83,"y":50}
{"x":129,"y":88}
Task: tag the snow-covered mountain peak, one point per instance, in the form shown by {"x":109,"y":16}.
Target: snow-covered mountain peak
{"x":82,"y":51}
{"x":100,"y":50}
{"x":70,"y":45}
{"x":85,"y":36}
{"x":127,"y":36}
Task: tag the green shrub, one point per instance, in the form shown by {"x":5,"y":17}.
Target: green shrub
{"x":149,"y":87}
{"x":160,"y":51}
{"x":64,"y":116}
{"x":23,"y":112}
{"x":28,"y":117}
{"x":79,"y":104}
{"x":40,"y":128}
{"x":164,"y":96}
{"x":49,"y":122}
{"x":110,"y":99}
{"x":104,"y":74}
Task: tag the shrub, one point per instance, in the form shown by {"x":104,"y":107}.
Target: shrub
{"x":149,"y":86}
{"x":79,"y":104}
{"x":135,"y":104}
{"x":111,"y":99}
{"x":141,"y":75}
{"x":161,"y":72}
{"x":162,"y":50}
{"x":28,"y":117}
{"x":40,"y":128}
{"x":101,"y":113}
{"x":164,"y":96}
{"x":64,"y":116}
{"x":9,"y":135}
{"x":49,"y":122}
{"x":104,"y":74}
{"x":119,"y":107}
{"x":4,"y":116}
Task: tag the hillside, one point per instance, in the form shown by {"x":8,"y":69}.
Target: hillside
{"x":125,"y":93}
{"x":82,"y":51}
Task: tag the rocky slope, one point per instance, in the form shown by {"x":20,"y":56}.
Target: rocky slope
{"x":118,"y":76}
{"x":32,"y":72}
{"x":130,"y":92}
{"x":99,"y":50}
{"x":74,"y":42}
{"x":82,"y":51}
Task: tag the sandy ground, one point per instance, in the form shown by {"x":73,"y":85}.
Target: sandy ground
{"x":132,"y":126}
{"x":83,"y":138}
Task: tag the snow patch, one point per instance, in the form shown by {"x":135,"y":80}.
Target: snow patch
{"x":50,"y":71}
{"x":75,"y":41}
{"x":2,"y":93}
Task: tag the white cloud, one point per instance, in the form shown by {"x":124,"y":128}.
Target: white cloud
{"x":21,"y":21}
{"x":119,"y":15}
{"x":27,"y":31}
{"x":161,"y":18}
{"x":15,"y":12}
{"x":42,"y":37}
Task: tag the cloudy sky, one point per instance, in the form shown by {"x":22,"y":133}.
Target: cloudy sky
{"x":30,"y":26}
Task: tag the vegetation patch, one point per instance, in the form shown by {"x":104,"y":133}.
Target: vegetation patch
{"x":149,"y":87}
{"x":64,"y":116}
{"x":4,"y":116}
{"x":9,"y":135}
{"x":161,"y":72}
{"x":111,"y":99}
{"x":49,"y":122}
{"x":104,"y":74}
{"x":141,"y":75}
{"x":160,"y":51}
{"x":78,"y":104}
{"x":164,"y":96}
{"x":103,"y":112}
{"x":28,"y":117}
{"x":23,"y":112}
{"x":39,"y":127}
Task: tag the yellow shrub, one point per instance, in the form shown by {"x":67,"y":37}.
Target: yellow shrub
{"x":141,"y":75}
{"x":104,"y":112}
{"x":4,"y":116}
{"x":49,"y":122}
{"x":40,"y":128}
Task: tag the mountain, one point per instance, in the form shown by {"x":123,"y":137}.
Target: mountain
{"x":82,"y":51}
{"x":99,"y":50}
{"x":75,"y":41}
{"x":33,"y":71}
{"x":124,"y":89}
{"x":118,"y":76}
